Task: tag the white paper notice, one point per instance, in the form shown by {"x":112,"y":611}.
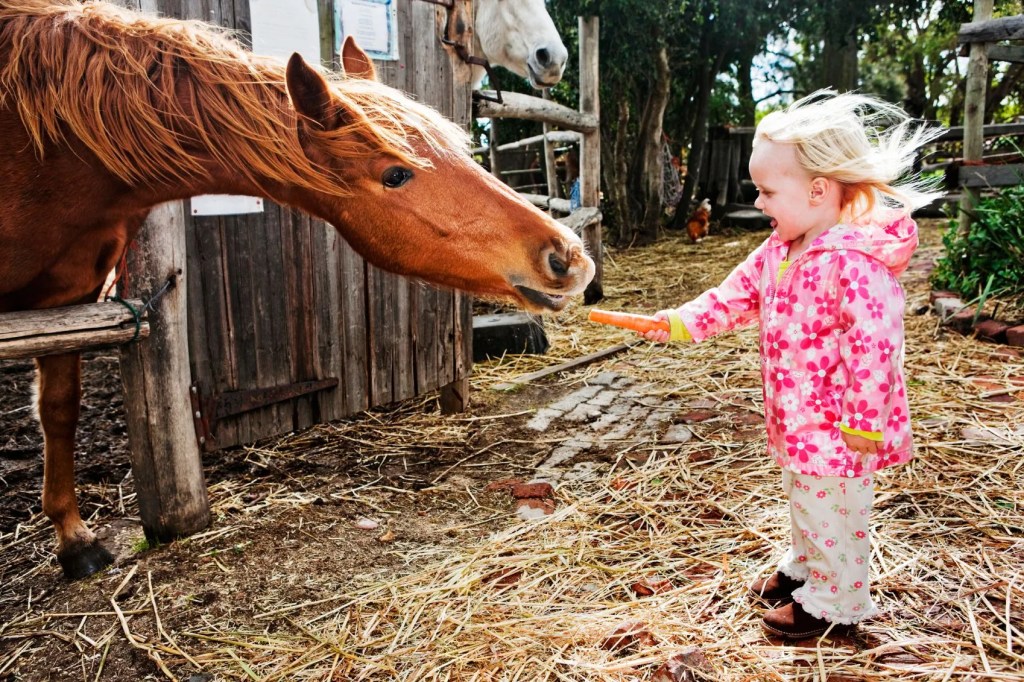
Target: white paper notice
{"x":371,"y":23}
{"x":279,"y":28}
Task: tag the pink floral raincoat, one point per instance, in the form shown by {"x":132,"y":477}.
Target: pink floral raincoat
{"x":831,"y":343}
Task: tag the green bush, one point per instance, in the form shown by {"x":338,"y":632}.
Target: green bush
{"x":990,"y":260}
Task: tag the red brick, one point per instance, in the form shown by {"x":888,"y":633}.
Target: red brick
{"x":992,"y":330}
{"x":505,"y":577}
{"x":503,"y":484}
{"x":962,"y":320}
{"x":681,"y":667}
{"x":544,"y":505}
{"x":697,"y":416}
{"x":645,"y":587}
{"x":532,"y":490}
{"x":628,"y":635}
{"x":1006,"y":354}
{"x":1015,"y":336}
{"x":935,"y":295}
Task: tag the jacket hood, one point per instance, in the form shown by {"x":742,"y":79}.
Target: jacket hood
{"x":892,"y":241}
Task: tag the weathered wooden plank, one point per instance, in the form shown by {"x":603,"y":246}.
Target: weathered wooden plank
{"x":67,"y":319}
{"x":992,"y":30}
{"x":355,"y":329}
{"x":70,"y":341}
{"x":992,"y":176}
{"x":547,"y":203}
{"x":992,"y":130}
{"x":582,"y":218}
{"x":305,"y":333}
{"x":1006,"y":53}
{"x":270,"y":241}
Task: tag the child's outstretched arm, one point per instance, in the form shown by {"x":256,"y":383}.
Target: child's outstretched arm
{"x":733,"y":304}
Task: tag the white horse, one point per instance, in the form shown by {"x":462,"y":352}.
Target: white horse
{"x":519,"y":35}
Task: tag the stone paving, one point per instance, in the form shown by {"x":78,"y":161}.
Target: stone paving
{"x":610,"y":411}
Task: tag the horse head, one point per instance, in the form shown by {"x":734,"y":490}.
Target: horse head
{"x":415,"y":203}
{"x":520,"y":35}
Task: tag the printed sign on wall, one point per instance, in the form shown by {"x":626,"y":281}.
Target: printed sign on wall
{"x":373,"y":23}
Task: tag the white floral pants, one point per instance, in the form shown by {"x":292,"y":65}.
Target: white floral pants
{"x":831,"y":544}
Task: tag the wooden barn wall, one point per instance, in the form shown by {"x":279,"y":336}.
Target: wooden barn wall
{"x":279,"y":297}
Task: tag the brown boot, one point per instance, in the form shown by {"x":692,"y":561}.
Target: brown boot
{"x":792,"y":622}
{"x":776,"y":589}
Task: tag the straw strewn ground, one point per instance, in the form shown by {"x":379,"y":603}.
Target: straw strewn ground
{"x":492,"y":598}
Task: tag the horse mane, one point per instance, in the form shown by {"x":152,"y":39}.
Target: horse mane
{"x":154,"y":98}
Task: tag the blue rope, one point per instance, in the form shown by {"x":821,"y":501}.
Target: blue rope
{"x":138,"y":313}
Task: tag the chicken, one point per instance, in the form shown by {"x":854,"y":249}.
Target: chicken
{"x":697,"y":223}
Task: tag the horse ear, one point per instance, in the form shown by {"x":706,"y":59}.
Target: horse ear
{"x":356,"y":62}
{"x":310,"y":94}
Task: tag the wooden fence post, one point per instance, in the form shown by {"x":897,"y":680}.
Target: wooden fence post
{"x":492,"y":140}
{"x":974,"y":111}
{"x":166,"y":464}
{"x":590,"y":146}
{"x":550,"y":171}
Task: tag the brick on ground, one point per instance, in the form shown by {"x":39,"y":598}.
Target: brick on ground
{"x":1015,"y":336}
{"x":992,"y":330}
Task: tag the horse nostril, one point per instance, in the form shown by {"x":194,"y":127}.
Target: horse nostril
{"x":543,"y":57}
{"x":558,"y":266}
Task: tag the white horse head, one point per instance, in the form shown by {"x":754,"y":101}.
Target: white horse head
{"x":520,"y":35}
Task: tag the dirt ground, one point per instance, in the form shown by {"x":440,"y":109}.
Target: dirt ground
{"x":285,"y":531}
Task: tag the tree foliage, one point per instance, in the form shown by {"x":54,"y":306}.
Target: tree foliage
{"x":717,"y":52}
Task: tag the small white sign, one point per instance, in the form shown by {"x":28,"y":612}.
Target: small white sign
{"x":225,"y":204}
{"x":372,"y":23}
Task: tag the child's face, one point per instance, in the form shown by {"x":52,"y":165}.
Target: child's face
{"x":784,"y":189}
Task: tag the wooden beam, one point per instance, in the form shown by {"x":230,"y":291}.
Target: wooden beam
{"x":166,"y":464}
{"x":582,"y":218}
{"x":991,"y":130}
{"x":1006,"y":175}
{"x":991,"y":30}
{"x":36,"y":333}
{"x":566,"y":366}
{"x":548,"y":203}
{"x":531,"y":108}
{"x":559,"y":136}
{"x":1006,"y":53}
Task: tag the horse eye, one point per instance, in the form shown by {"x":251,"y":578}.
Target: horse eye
{"x":396,"y":176}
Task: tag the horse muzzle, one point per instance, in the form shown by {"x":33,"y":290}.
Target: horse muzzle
{"x":564,"y":273}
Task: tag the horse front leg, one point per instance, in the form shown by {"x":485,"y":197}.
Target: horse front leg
{"x":60,"y":395}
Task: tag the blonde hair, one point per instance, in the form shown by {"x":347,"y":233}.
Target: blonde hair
{"x":860,"y":141}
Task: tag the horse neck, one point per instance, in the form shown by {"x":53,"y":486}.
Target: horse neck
{"x":221,"y":173}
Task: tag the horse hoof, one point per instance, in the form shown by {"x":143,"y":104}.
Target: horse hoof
{"x":84,"y":560}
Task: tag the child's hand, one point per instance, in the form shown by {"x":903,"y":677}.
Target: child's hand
{"x":860,"y":444}
{"x":658,"y":335}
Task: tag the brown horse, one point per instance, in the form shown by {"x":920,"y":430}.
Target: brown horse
{"x":105,"y":113}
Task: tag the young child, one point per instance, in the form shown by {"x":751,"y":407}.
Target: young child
{"x":823,"y":289}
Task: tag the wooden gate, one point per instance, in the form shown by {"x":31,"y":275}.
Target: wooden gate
{"x":287,"y":326}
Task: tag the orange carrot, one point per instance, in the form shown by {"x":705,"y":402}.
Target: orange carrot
{"x":639,"y":323}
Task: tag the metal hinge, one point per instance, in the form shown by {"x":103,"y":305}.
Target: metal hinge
{"x":207,"y":411}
